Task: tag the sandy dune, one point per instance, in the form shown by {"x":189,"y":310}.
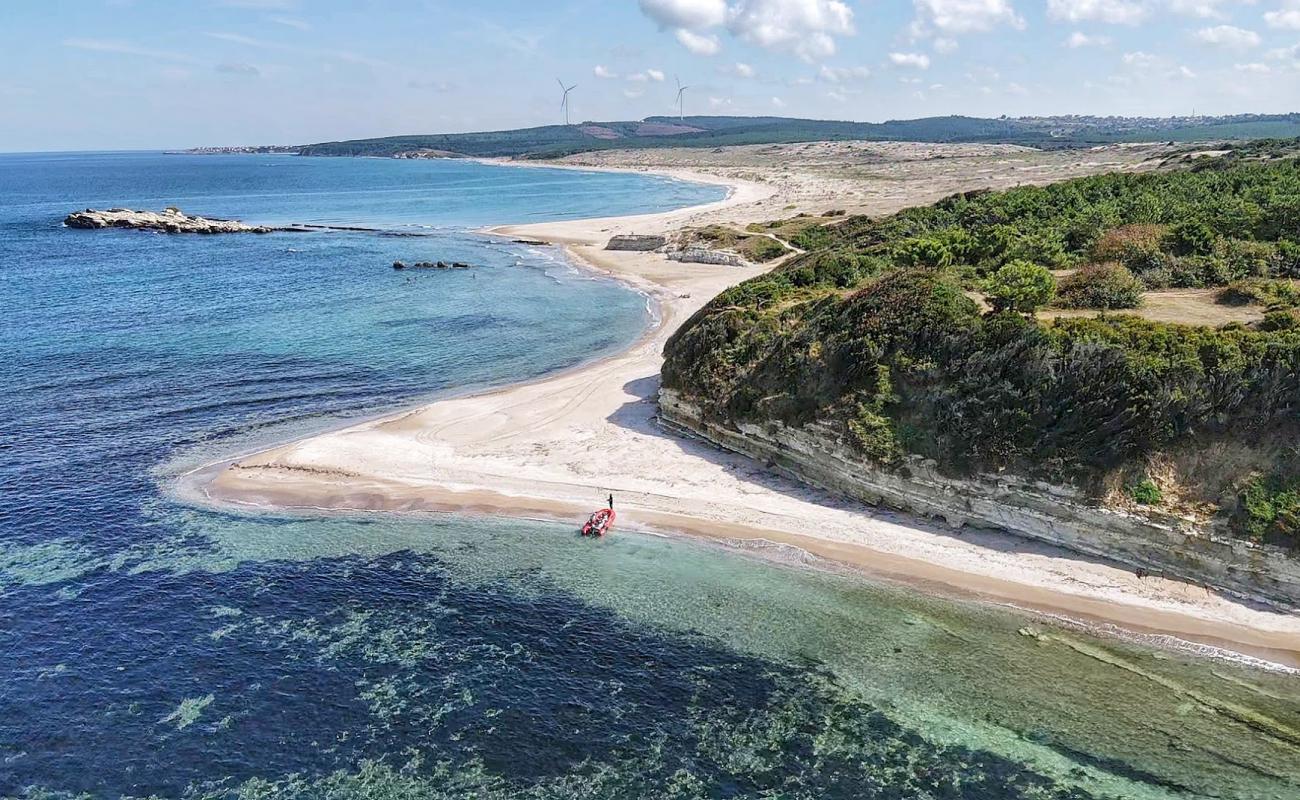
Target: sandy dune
{"x":554,"y":448}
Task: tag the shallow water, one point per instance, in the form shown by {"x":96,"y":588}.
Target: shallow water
{"x":155,"y":648}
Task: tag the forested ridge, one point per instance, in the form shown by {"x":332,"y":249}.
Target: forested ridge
{"x":878,"y":331}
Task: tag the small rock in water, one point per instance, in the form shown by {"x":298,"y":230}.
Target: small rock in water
{"x":431,"y":265}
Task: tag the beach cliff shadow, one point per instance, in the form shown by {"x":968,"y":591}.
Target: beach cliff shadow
{"x":641,"y":415}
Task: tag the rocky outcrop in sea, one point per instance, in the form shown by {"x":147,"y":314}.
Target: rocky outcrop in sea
{"x":169,"y":220}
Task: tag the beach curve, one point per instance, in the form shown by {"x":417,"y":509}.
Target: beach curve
{"x":554,"y":447}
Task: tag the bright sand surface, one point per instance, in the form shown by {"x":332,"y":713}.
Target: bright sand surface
{"x":554,"y":448}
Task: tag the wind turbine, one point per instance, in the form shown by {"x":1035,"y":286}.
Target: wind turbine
{"x":680,"y":103}
{"x":564,"y":101}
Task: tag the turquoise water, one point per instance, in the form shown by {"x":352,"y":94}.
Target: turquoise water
{"x":153,"y":648}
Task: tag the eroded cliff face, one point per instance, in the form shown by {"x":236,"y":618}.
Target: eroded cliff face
{"x":1165,"y":545}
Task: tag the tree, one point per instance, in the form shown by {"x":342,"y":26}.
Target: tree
{"x":1020,"y":286}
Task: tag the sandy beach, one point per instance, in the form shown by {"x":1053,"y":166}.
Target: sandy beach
{"x":554,"y":448}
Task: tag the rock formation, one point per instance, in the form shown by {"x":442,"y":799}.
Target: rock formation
{"x":431,"y":265}
{"x":636,"y":242}
{"x":170,"y":220}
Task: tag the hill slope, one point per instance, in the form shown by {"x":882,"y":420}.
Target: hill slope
{"x":704,"y":131}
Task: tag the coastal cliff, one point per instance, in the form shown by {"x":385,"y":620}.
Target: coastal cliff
{"x":908,"y":360}
{"x":1161,"y":544}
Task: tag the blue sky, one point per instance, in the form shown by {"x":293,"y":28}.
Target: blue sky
{"x":82,"y":74}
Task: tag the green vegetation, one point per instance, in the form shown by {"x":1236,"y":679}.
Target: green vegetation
{"x":1104,"y":286}
{"x":873,"y":333}
{"x":1146,"y":493}
{"x":1019,"y":286}
{"x":1269,"y":510}
{"x":1272,"y":294}
{"x":1045,"y":132}
{"x":757,"y":248}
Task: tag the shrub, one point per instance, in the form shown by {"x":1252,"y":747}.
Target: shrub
{"x":1247,"y":259}
{"x":1103,"y":286}
{"x":1288,"y":259}
{"x":1198,"y":272}
{"x":1146,"y":493}
{"x":1020,"y":286}
{"x":1287,"y":319}
{"x":1272,"y":294}
{"x":1138,"y":247}
{"x":1192,"y":238}
{"x":930,"y":253}
{"x":1268,"y":510}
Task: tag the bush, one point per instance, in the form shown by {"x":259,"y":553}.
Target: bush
{"x":1284,"y":320}
{"x":1247,"y":259}
{"x":1146,"y":493}
{"x":930,"y":253}
{"x":1020,"y":286}
{"x":1268,"y":510}
{"x":1272,"y":294}
{"x":1102,"y":286}
{"x":1193,"y":238}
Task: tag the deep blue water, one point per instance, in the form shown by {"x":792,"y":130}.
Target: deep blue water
{"x":148,"y":647}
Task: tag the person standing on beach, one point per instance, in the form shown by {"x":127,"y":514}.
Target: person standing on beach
{"x":611,"y":501}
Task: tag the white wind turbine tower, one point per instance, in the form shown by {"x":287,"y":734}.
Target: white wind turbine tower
{"x":564,"y":100}
{"x":681,"y":90}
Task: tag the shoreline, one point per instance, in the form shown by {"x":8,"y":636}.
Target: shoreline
{"x":552,"y":447}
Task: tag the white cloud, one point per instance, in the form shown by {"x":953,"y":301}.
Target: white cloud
{"x":1291,"y":54}
{"x":807,"y":28}
{"x":1115,"y":12}
{"x":701,"y":44}
{"x":601,"y":71}
{"x":1140,"y":59}
{"x":1182,"y":72}
{"x":917,"y":60}
{"x":656,"y":75}
{"x":743,"y":70}
{"x":1081,"y":39}
{"x":716,"y":103}
{"x":965,"y":16}
{"x":632,"y":94}
{"x":943,"y":44}
{"x":125,"y":49}
{"x":842,"y":74}
{"x":778,"y":102}
{"x":291,"y":22}
{"x":1254,"y":67}
{"x":1285,"y":18}
{"x":1228,"y":36}
{"x":691,"y":14}
{"x":1017,"y":89}
{"x":1205,"y":9}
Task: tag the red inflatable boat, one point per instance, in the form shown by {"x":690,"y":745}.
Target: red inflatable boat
{"x":599,"y":523}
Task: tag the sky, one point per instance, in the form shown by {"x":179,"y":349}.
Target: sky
{"x":139,"y":74}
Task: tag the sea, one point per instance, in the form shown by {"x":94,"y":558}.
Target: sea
{"x":153,"y":648}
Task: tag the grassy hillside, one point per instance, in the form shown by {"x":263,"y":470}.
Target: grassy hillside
{"x":704,"y":131}
{"x":874,"y":331}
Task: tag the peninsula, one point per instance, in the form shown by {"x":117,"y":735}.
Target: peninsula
{"x":527,"y":450}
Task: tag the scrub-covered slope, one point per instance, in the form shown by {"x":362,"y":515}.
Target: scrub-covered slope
{"x":877,"y":333}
